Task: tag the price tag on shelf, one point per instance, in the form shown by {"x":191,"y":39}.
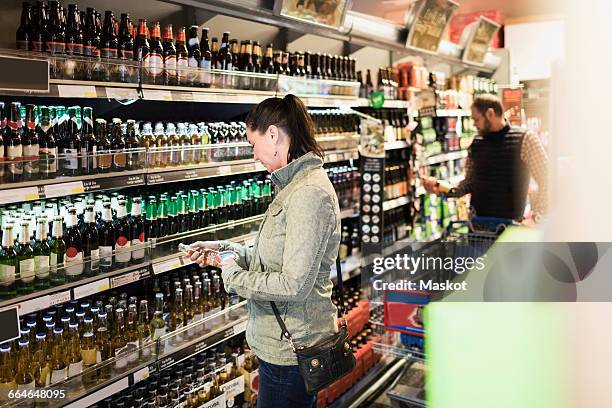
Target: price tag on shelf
{"x":333,"y":157}
{"x":141,"y":375}
{"x":233,"y":388}
{"x":170,"y":264}
{"x":129,"y":277}
{"x":224,"y":170}
{"x":121,"y":93}
{"x":91,"y":288}
{"x":77,"y":91}
{"x":219,"y":402}
{"x":64,"y":189}
{"x":18,"y":194}
{"x":58,"y":298}
{"x":101,"y":394}
{"x":33,"y":305}
{"x":155,"y":95}
{"x":182,"y":96}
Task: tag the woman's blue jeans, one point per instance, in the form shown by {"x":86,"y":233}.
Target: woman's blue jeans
{"x":282,"y":387}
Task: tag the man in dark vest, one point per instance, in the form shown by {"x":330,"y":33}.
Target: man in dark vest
{"x":501,"y":161}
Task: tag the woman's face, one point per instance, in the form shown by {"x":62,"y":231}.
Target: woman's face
{"x":268,"y":148}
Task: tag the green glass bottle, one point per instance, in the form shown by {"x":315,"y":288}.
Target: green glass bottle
{"x":173,"y":222}
{"x":8,"y":263}
{"x":162,"y":217}
{"x":25,"y":261}
{"x":203,"y":209}
{"x":212,"y":206}
{"x":183,"y":214}
{"x":221,"y":205}
{"x":58,"y":249}
{"x":194,"y":213}
{"x":151,"y":223}
{"x":42,"y":254}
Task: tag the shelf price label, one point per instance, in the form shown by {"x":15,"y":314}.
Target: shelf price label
{"x":19,"y":194}
{"x":219,"y":402}
{"x":91,"y":288}
{"x":141,"y":375}
{"x":233,"y":388}
{"x":77,"y":91}
{"x":42,"y":302}
{"x":64,"y":189}
{"x":129,"y":277}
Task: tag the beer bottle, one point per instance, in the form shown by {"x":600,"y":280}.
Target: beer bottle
{"x":195,"y":141}
{"x":74,"y":34}
{"x":158,"y":325}
{"x":119,"y":341}
{"x":48,"y":148}
{"x":194,"y":54}
{"x":141,"y":49}
{"x":176,"y":316}
{"x":122,"y":236}
{"x":8,"y":262}
{"x":151,"y":225}
{"x":25,"y":261}
{"x":56,"y":43}
{"x":214,"y":52}
{"x":256,"y":57}
{"x":156,"y":58}
{"x":137,"y":234}
{"x":89,"y":159}
{"x":23,"y":369}
{"x":91,"y":44}
{"x":39,"y":32}
{"x":182,"y":58}
{"x":59,"y":368}
{"x":246,"y":55}
{"x":91,"y":248}
{"x":74,"y":247}
{"x":106,"y":238}
{"x":24,"y":31}
{"x":186,"y":154}
{"x":41,"y":367}
{"x":293,"y":64}
{"x":189,"y":309}
{"x":70,"y":145}
{"x":131,"y":335}
{"x":89,"y":351}
{"x":169,"y":56}
{"x":7,"y":371}
{"x":125,"y":48}
{"x":104,"y":156}
{"x":308,"y":64}
{"x":132,"y":145}
{"x":162,"y":218}
{"x":206,"y":61}
{"x":224,"y":60}
{"x":75,"y":359}
{"x":235,"y":50}
{"x":173,"y":144}
{"x":278,"y":63}
{"x":161,"y":155}
{"x":144,"y":329}
{"x":173,"y":222}
{"x":58,"y":249}
{"x":199,"y":307}
{"x":268,"y":65}
{"x":301,"y":65}
{"x":13,"y":144}
{"x":42,"y":254}
{"x":118,"y":146}
{"x":285,"y":62}
{"x":194,"y":215}
{"x":30,"y":146}
{"x":109,"y":46}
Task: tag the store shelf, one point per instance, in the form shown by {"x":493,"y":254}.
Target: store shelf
{"x":398,"y":202}
{"x":156,"y":176}
{"x":446,"y":157}
{"x":452,"y":113}
{"x":173,"y":352}
{"x":400,"y":144}
{"x":334,"y":156}
{"x":389,"y":103}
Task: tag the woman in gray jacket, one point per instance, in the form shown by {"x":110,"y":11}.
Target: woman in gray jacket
{"x":291,"y":260}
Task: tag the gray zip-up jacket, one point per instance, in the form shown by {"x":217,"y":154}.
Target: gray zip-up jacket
{"x":290,"y":263}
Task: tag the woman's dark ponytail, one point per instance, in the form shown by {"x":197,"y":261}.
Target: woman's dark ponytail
{"x":289,"y":114}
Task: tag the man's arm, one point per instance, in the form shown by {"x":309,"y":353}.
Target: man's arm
{"x":535,"y":158}
{"x":465,"y":186}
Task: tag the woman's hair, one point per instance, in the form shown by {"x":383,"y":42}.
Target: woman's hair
{"x":290,"y":115}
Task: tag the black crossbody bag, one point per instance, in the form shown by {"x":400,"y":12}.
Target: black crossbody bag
{"x":326,"y":362}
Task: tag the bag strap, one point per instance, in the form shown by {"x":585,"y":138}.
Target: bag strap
{"x":341,"y":307}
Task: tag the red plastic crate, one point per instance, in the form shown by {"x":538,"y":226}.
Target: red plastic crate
{"x":334,"y":391}
{"x":359,"y":369}
{"x":368,"y":357}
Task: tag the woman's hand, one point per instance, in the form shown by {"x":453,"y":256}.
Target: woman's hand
{"x":202,"y":253}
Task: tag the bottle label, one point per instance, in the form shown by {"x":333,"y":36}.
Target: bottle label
{"x":91,"y":51}
{"x":170,"y":64}
{"x":106,"y":255}
{"x":95,"y":259}
{"x":120,"y":357}
{"x":71,"y":160}
{"x":181,"y":63}
{"x":74,"y":257}
{"x":74,"y":49}
{"x":55,"y":47}
{"x":98,"y":356}
{"x":192,"y":62}
{"x":12,"y":153}
{"x":120,"y":159}
{"x":108,"y":52}
{"x":105,"y":160}
{"x":31,"y":152}
{"x":29,"y":386}
{"x":45,"y":375}
{"x":159,"y":332}
{"x":156,"y":64}
{"x":26,"y":270}
{"x":89,"y":158}
{"x":48,"y":165}
{"x":90,"y":357}
{"x":59,"y":375}
{"x":205,"y":76}
{"x":122,"y":248}
{"x":138,"y":253}
{"x":7,"y":275}
{"x":75,"y":368}
{"x":127,"y":55}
